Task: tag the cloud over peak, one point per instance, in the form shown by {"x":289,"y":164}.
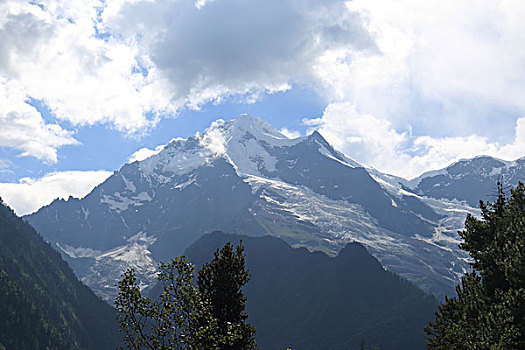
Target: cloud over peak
{"x":448,"y":72}
{"x":129,"y":63}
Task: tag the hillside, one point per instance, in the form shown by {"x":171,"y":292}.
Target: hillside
{"x":312,"y":301}
{"x":42,"y":303}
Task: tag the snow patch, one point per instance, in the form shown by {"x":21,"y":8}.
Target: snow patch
{"x":327,"y":154}
{"x":412,"y":184}
{"x":129,"y":184}
{"x":85,"y":212}
{"x":78,"y":252}
{"x":185,"y":184}
{"x":117,"y":202}
{"x":143,"y":196}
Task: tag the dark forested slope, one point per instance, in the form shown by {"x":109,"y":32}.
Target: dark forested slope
{"x":308,"y":300}
{"x":42,"y":304}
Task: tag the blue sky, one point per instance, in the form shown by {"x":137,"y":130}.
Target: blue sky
{"x":405,"y":87}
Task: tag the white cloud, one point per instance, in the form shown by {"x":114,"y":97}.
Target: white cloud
{"x":51,"y":52}
{"x":213,"y":139}
{"x":28,"y":195}
{"x":431,"y":81}
{"x":446,"y":84}
{"x":23,"y":128}
{"x":291,"y":134}
{"x":144,"y":153}
{"x":429,"y":75}
{"x":449,"y":68}
{"x":374,"y":141}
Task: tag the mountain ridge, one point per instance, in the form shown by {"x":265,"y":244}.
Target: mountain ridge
{"x":470,"y":180}
{"x":244,"y":176}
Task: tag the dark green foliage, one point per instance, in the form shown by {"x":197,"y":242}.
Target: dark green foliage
{"x":220,"y":281}
{"x":42,"y":304}
{"x":310,"y":301}
{"x":185,"y":316}
{"x":489,"y":310}
{"x":178,"y":319}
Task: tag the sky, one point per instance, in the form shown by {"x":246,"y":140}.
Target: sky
{"x":403,"y":86}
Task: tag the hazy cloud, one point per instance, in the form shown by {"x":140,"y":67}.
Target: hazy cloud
{"x":5,"y":165}
{"x":447,"y":68}
{"x":374,"y":142}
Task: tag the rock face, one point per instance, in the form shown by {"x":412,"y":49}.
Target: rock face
{"x":243,"y":176}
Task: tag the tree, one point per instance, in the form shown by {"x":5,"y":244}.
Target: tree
{"x":184,"y":316}
{"x":171,"y":322}
{"x":489,"y":310}
{"x":220,"y":281}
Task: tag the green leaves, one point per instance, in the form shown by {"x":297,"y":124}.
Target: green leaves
{"x":185,"y":316}
{"x":489,"y":310}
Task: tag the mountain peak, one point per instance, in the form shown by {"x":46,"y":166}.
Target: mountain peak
{"x":249,"y":120}
{"x":246,"y":142}
{"x":316,"y":136}
{"x":256,"y":127}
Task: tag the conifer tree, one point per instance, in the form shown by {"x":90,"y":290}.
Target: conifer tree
{"x":220,"y":281}
{"x":489,"y":310}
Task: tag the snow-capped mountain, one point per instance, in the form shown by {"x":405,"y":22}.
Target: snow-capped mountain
{"x":470,"y":180}
{"x":243,"y":176}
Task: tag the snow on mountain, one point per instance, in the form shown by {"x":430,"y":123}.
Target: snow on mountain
{"x":469,"y":180}
{"x":242,"y":141}
{"x":243,"y":176}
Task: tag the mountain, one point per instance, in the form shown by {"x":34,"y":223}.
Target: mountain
{"x":243,"y":176}
{"x":305,"y":300}
{"x":42,"y":303}
{"x":470,"y":180}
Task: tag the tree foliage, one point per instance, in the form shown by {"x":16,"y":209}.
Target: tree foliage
{"x":220,"y":282}
{"x":186,"y":316}
{"x":489,"y":310}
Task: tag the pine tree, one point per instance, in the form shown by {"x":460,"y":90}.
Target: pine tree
{"x":489,"y":310}
{"x":220,"y":281}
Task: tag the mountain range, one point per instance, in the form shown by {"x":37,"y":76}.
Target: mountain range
{"x":243,"y":176}
{"x":470,"y":180}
